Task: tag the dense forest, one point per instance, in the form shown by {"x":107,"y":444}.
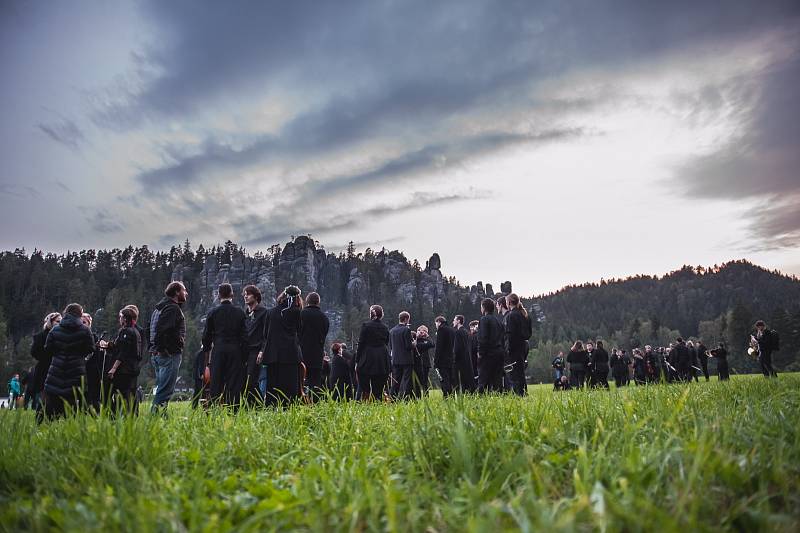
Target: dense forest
{"x":717,"y":303}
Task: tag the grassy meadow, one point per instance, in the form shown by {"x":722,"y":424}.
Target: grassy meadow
{"x":699,"y":457}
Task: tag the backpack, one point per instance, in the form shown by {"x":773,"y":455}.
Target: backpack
{"x":153,"y":328}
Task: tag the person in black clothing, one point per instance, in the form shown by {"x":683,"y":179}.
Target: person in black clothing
{"x":600,"y":366}
{"x":473,"y":348}
{"x":768,"y":342}
{"x":42,"y":362}
{"x":256,"y":316}
{"x":640,"y":374}
{"x":619,"y":367}
{"x":98,"y":363}
{"x":67,"y":344}
{"x":125,"y":351}
{"x":562,"y":384}
{"x":201,"y":395}
{"x":373,"y":363}
{"x":225,"y":346}
{"x":340,"y":383}
{"x":350,"y":358}
{"x":491,"y":348}
{"x":423,"y":345}
{"x":443,"y":356}
{"x":463,"y":374}
{"x":578,"y":361}
{"x":314,"y":325}
{"x":167,"y":338}
{"x":518,"y":329}
{"x":683,"y":360}
{"x":281,"y":350}
{"x":721,"y":355}
{"x":702,"y":356}
{"x":402,"y":353}
{"x":694,"y":363}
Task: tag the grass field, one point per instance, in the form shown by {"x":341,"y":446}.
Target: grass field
{"x":697,"y":457}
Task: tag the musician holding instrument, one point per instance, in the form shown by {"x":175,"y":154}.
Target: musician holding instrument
{"x":763,"y":342}
{"x":721,"y":355}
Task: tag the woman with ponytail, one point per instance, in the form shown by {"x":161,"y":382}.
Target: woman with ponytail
{"x":281,"y":350}
{"x":126,"y":350}
{"x":518,"y":331}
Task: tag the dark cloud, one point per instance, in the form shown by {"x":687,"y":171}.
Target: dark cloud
{"x":284,"y":221}
{"x":16,"y":190}
{"x":64,"y":132}
{"x":103,"y":221}
{"x":763,"y":161}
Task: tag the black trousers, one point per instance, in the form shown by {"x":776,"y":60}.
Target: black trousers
{"x":314,"y":381}
{"x":446,"y":378}
{"x":490,"y":373}
{"x":464,"y":375}
{"x":621,"y":379}
{"x":371,"y":386}
{"x":404,"y":379}
{"x":283,"y":383}
{"x":123,"y":393}
{"x":704,"y":365}
{"x":516,"y":359}
{"x":722,"y":369}
{"x":252,"y":394}
{"x":600,"y":377}
{"x":57,"y":406}
{"x":228,"y":373}
{"x":425,"y":378}
{"x":578,"y":377}
{"x":765,"y":360}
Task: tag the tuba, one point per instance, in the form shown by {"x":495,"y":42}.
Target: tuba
{"x":754,"y":351}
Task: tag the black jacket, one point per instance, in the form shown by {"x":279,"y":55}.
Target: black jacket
{"x":42,"y":360}
{"x":578,"y":360}
{"x":619,"y":364}
{"x":702,"y":351}
{"x":68,"y":343}
{"x":226,"y":325}
{"x":424,"y":346}
{"x":491,"y":336}
{"x":400,"y":345}
{"x":769,"y":341}
{"x":682,"y":357}
{"x":255,"y":327}
{"x":600,"y":360}
{"x":461,"y":345}
{"x":313,"y":332}
{"x":167,"y":328}
{"x":126,"y":349}
{"x":372,"y":356}
{"x":445,"y":339}
{"x":517,"y":328}
{"x":282,"y":336}
{"x":341,"y":366}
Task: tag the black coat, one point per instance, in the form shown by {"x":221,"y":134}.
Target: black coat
{"x":126,"y":349}
{"x":226,"y":325}
{"x":400,"y":345}
{"x":445,"y":340}
{"x":682,"y":357}
{"x":282,"y":336}
{"x":578,"y":360}
{"x":600,"y":360}
{"x":618,"y":364}
{"x":372,"y":356}
{"x":517,"y":328}
{"x":491,"y":336}
{"x":255,"y":327}
{"x":341,"y":367}
{"x":424,"y":346}
{"x":461,"y":345}
{"x":313,"y":332}
{"x":68,"y":343}
{"x":167,"y":328}
{"x":43,"y":360}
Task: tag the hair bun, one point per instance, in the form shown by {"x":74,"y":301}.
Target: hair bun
{"x":292,"y":290}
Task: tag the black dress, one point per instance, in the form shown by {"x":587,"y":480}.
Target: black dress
{"x":373,"y":363}
{"x":282,"y":354}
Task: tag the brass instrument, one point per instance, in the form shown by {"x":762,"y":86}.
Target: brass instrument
{"x":754,"y":351}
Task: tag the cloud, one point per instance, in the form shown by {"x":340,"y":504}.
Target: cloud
{"x":283,"y":221}
{"x":16,"y":190}
{"x":761,"y":162}
{"x":103,"y":221}
{"x":64,"y":132}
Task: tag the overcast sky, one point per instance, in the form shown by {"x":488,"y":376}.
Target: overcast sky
{"x":547,"y":143}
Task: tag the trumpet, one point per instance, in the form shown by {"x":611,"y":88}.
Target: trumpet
{"x":754,"y":351}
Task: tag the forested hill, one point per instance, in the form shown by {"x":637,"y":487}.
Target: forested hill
{"x":719,"y":303}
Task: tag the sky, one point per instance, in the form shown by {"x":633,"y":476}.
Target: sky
{"x":543,"y":142}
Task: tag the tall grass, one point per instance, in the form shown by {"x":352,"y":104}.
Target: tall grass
{"x":694,"y":457}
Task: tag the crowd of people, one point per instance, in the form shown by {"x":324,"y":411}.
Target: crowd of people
{"x":682,"y":361}
{"x":254,"y":356}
